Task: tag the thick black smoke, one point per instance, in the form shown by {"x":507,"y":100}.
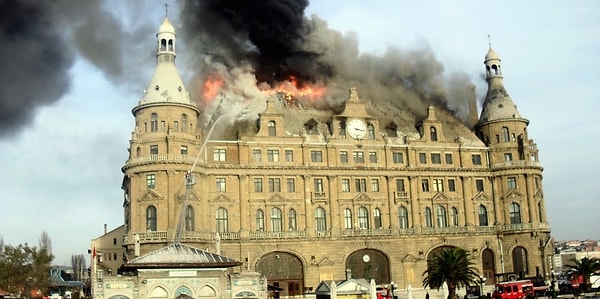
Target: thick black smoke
{"x":36,"y":60}
{"x":41,"y":39}
{"x":273,"y":39}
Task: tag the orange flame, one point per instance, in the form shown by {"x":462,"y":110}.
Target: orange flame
{"x":291,"y":90}
{"x":211,"y":87}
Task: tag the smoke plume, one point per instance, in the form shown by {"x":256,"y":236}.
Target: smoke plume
{"x":272,"y":41}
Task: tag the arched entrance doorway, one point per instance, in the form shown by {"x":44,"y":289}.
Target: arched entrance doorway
{"x":283,"y":270}
{"x":520,"y":262}
{"x":369,"y":264}
{"x":489,"y":266}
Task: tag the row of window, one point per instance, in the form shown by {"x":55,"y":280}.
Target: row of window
{"x":276,"y":222}
{"x":156,"y":125}
{"x":360,"y":184}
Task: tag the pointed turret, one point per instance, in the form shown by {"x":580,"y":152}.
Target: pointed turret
{"x":166,"y":84}
{"x":497,"y":105}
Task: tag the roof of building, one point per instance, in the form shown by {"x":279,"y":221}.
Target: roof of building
{"x":181,"y":256}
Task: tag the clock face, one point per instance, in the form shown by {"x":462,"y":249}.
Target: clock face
{"x":356,"y":128}
{"x":366,"y":258}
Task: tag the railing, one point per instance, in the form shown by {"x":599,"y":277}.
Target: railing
{"x":485,"y":229}
{"x":162,"y":158}
{"x":278,"y":235}
{"x":517,"y":226}
{"x":147,"y":237}
{"x":227,"y":235}
{"x":443,"y":230}
{"x":516,"y":163}
{"x":319,"y":195}
{"x":323,"y":234}
{"x":365,"y":232}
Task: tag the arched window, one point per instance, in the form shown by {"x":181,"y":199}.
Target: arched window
{"x":347,"y":219}
{"x":433,"y":134}
{"x":363,"y":218}
{"x":320,"y":219}
{"x":222,"y":220}
{"x":138,"y":151}
{"x":442,"y":220}
{"x":170,"y":45}
{"x":272,"y":129}
{"x":184,"y":123}
{"x":540,"y":213}
{"x":370,"y":131}
{"x":520,"y":261}
{"x":454,"y":216}
{"x":260,"y":220}
{"x":515,"y":213}
{"x":377,"y":218}
{"x":402,"y":217}
{"x":153,"y":122}
{"x":292,"y":224}
{"x":163,"y":44}
{"x":189,"y":218}
{"x":483,"y":216}
{"x":276,"y":221}
{"x":505,"y":134}
{"x":428,"y":220}
{"x":151,"y":218}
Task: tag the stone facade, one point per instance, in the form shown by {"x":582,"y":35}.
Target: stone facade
{"x":301,"y":195}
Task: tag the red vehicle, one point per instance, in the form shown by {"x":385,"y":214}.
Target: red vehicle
{"x":517,"y":289}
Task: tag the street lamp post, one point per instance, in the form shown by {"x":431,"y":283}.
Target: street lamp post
{"x":481,"y":282}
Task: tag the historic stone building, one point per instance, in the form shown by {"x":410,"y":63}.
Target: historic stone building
{"x":302,"y":195}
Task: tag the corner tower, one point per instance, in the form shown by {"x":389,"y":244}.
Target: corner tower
{"x":516,"y":174}
{"x":162,"y":148}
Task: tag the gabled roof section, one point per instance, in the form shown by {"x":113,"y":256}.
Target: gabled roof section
{"x":181,"y":256}
{"x":512,"y":194}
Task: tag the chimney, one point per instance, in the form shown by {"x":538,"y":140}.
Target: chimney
{"x":105,"y":228}
{"x":473,"y":107}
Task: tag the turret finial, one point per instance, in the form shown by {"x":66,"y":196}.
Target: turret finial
{"x":166,"y":10}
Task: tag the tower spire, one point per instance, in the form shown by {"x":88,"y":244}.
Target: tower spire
{"x":166,"y":10}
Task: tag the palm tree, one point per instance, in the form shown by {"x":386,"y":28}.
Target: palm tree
{"x":450,"y":265}
{"x":585,"y":267}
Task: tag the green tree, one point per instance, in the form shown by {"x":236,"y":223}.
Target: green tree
{"x":450,"y":265}
{"x":24,"y":268}
{"x":585,"y":267}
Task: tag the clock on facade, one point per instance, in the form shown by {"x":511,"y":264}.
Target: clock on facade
{"x":366,"y":258}
{"x":357,"y":128}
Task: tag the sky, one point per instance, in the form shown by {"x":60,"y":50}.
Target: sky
{"x":61,"y":157}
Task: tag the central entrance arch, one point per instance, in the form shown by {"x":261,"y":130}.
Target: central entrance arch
{"x":369,"y":264}
{"x":283,"y":270}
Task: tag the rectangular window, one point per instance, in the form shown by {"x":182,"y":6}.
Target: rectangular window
{"x":154,"y":150}
{"x":150,"y":181}
{"x":274,"y":185}
{"x":163,"y":125}
{"x":344,"y":157}
{"x":438,"y":185}
{"x":359,"y":157}
{"x":400,"y":185}
{"x":319,"y":185}
{"x":273,"y":155}
{"x":507,"y":157}
{"x":258,"y":185}
{"x":221,"y":185}
{"x":512,"y":182}
{"x":219,"y":154}
{"x":397,"y":157}
{"x":176,"y":126}
{"x":422,"y":158}
{"x":316,"y":156}
{"x":375,"y":185}
{"x":451,"y":185}
{"x":183,"y":150}
{"x":289,"y":156}
{"x":345,"y":185}
{"x":373,"y":157}
{"x":448,"y":158}
{"x":436,"y":159}
{"x":291,"y":185}
{"x":425,"y":185}
{"x":476,"y":159}
{"x":256,"y":155}
{"x":479,"y":185}
{"x":361,"y":185}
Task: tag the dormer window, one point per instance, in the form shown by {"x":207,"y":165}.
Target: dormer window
{"x":370,"y":131}
{"x":272,"y":128}
{"x":311,"y":127}
{"x":433,"y":134}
